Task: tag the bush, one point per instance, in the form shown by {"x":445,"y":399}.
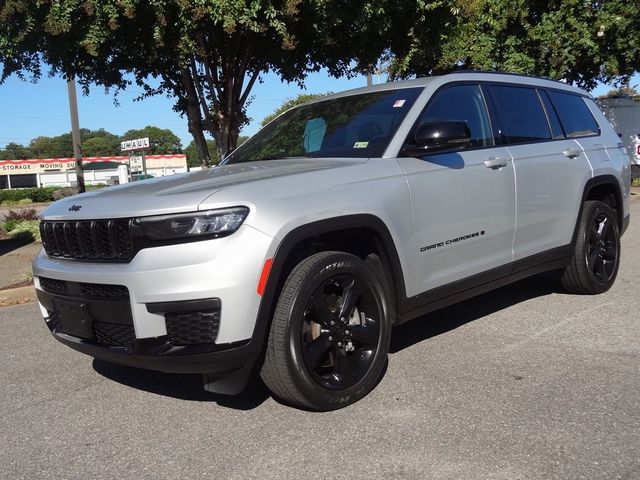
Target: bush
{"x":636,"y":182}
{"x":27,"y":230}
{"x":64,"y":192}
{"x":43,"y":194}
{"x":21,"y":215}
{"x":11,"y":224}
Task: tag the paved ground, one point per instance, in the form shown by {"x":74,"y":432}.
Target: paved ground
{"x":521,"y":383}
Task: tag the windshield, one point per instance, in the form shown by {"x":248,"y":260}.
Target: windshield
{"x":353,"y":126}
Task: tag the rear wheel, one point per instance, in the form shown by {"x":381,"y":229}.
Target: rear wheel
{"x":596,"y":257}
{"x":330,"y":334}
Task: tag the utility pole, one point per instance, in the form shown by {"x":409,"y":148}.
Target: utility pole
{"x":75,"y":132}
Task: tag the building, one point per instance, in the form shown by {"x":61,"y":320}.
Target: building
{"x":624,"y":115}
{"x":97,"y":170}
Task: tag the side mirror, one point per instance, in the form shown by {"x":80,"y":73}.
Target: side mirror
{"x":440,"y":137}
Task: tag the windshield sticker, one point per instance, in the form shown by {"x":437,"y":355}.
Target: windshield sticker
{"x":360,"y":145}
{"x":398,"y":103}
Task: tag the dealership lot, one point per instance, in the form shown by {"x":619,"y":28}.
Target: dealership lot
{"x":524,"y":382}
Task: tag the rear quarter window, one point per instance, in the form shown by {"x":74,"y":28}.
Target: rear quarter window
{"x":575,"y":117}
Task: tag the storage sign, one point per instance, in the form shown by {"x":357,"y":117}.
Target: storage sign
{"x":137,"y":144}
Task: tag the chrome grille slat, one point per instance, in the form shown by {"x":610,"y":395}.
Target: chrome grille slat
{"x":100,"y":240}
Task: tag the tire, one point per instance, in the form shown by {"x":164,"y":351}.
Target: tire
{"x":596,"y":257}
{"x":330,"y":333}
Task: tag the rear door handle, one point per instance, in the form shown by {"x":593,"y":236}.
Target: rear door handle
{"x":571,"y":153}
{"x":494,"y":163}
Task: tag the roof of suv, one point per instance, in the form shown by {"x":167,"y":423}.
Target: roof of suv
{"x":458,"y":76}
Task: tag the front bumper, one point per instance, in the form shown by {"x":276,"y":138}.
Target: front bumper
{"x":140,"y":313}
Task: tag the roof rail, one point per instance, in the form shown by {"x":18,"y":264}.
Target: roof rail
{"x":497,"y":72}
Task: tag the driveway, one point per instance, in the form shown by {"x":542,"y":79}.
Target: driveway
{"x":524,"y":382}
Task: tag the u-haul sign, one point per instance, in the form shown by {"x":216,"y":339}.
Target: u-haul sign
{"x":137,"y":144}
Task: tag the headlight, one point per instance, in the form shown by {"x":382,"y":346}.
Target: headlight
{"x":211,"y":223}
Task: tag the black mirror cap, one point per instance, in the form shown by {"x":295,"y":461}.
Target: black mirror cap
{"x":440,"y":136}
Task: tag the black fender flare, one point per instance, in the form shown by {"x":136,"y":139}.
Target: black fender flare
{"x":313,"y":229}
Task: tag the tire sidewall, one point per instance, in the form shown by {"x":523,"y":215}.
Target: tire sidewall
{"x":323,"y":398}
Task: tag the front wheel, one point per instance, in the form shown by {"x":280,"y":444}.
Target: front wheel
{"x":330,"y":333}
{"x":596,"y":257}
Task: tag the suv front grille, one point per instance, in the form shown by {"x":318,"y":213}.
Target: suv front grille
{"x":100,"y":240}
{"x":98,"y":291}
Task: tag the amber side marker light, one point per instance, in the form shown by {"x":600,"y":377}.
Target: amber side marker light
{"x":264,"y":276}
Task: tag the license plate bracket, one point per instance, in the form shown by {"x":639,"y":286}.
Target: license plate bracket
{"x":74,"y":318}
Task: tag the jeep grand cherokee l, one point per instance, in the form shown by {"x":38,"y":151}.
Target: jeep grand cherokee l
{"x":340,"y":219}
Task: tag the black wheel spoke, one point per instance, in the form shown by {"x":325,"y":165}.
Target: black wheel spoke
{"x":350,"y":296}
{"x":593,"y":256}
{"x":365,"y":335}
{"x":315,"y":350}
{"x":604,"y":231}
{"x":320,"y":310}
{"x":599,"y":268}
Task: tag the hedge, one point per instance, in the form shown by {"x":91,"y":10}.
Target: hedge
{"x":41,"y":194}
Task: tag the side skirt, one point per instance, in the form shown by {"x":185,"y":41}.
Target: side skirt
{"x":484,"y":282}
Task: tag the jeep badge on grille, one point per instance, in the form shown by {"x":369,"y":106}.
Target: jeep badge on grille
{"x":75,"y":208}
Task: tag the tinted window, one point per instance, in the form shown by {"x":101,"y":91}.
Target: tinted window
{"x":352,"y":126}
{"x":523,"y":119}
{"x":554,"y":121}
{"x":574,"y":114}
{"x":463,"y":103}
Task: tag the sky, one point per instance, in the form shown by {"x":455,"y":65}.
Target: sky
{"x":29,"y":110}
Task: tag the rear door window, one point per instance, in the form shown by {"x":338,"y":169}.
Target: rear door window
{"x":523,"y":118}
{"x":574,"y":114}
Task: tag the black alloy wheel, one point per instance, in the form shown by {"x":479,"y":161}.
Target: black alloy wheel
{"x":330,"y":333}
{"x":602,"y":251}
{"x":596,"y":256}
{"x":340,"y":331}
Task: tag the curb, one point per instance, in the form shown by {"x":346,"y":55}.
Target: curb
{"x":17,"y":296}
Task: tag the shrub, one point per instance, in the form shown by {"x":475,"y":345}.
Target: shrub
{"x":636,"y":182}
{"x":63,"y":192}
{"x":10,"y":224}
{"x":43,"y":194}
{"x":24,"y":214}
{"x":27,"y":230}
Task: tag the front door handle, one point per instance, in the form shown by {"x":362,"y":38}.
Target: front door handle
{"x":494,"y":163}
{"x":571,"y":153}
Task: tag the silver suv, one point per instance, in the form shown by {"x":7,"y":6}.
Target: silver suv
{"x":340,"y":219}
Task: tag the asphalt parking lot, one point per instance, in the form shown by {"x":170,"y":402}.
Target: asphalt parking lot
{"x":525,"y":382}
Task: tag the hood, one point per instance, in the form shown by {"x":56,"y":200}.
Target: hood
{"x":178,"y":193}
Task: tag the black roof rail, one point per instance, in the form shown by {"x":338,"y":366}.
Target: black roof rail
{"x":497,"y":72}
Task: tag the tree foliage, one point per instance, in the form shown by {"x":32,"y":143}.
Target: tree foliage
{"x":205,"y":54}
{"x":95,"y":143}
{"x":290,"y":103}
{"x":161,"y":141}
{"x":581,"y":42}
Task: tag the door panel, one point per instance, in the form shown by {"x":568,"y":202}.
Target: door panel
{"x":463,"y":213}
{"x":549,"y":190}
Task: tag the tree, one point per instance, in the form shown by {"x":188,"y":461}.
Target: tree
{"x":207,"y":55}
{"x":193,"y":157}
{"x":15,"y":151}
{"x":571,"y":40}
{"x":162,"y":141}
{"x":290,"y":103}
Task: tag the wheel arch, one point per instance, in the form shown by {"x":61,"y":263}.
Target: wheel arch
{"x":359,"y":234}
{"x":605,"y":188}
